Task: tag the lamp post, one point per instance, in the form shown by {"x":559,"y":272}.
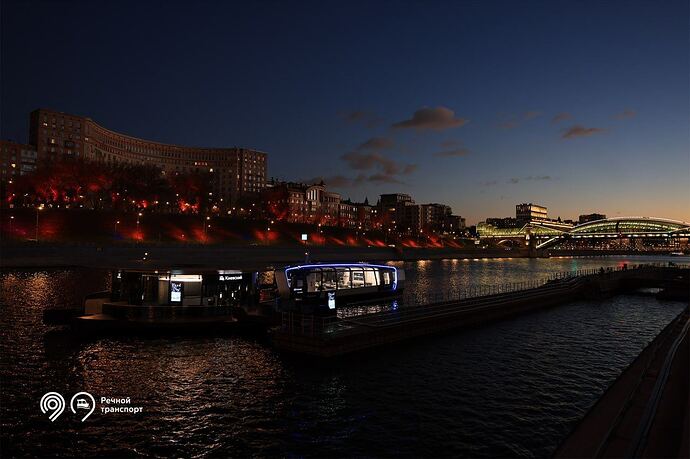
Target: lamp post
{"x":39,"y":208}
{"x":205,"y":225}
{"x":138,"y":217}
{"x":11,"y":222}
{"x":117,"y":222}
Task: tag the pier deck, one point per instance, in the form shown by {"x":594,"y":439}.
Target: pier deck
{"x":332,"y":337}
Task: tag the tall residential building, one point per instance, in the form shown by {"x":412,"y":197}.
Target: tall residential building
{"x":235,"y":172}
{"x":530,"y":212}
{"x":16,"y":159}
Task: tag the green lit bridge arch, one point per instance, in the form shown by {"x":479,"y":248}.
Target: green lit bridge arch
{"x":548,"y":233}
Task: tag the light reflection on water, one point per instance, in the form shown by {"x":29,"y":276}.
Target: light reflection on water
{"x":511,"y":388}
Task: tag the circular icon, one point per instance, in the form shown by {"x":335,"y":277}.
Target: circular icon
{"x":52,"y":401}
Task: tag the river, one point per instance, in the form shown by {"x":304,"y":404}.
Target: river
{"x":512,"y":388}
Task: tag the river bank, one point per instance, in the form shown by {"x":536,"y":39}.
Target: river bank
{"x":240,"y":257}
{"x":247,"y":257}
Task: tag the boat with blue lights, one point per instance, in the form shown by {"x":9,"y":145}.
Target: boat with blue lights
{"x":335,"y":284}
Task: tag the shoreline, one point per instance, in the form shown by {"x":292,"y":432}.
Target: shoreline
{"x":242,"y":257}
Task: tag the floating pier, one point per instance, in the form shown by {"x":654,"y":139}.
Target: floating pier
{"x":329,"y":337}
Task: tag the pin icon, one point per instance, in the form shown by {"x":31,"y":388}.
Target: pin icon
{"x":85,"y":401}
{"x":52,"y":401}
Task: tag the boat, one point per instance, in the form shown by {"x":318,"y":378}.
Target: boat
{"x":332,"y":284}
{"x":677,"y":254}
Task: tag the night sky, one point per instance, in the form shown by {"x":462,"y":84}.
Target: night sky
{"x":579,"y":106}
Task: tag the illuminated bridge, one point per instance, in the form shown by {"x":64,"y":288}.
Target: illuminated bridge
{"x":549,"y":233}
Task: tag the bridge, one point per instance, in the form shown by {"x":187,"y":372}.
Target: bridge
{"x":546,"y":234}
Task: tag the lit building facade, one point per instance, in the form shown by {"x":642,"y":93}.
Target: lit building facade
{"x":16,"y":159}
{"x":235,"y":172}
{"x":301,"y":203}
{"x":530,"y":212}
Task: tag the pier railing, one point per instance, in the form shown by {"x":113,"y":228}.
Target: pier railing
{"x":310,"y":325}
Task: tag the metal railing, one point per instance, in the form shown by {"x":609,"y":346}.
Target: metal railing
{"x":349,"y":315}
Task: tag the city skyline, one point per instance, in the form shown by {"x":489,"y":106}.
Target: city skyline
{"x":581,"y":113}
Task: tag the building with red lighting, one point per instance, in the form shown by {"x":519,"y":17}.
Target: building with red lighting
{"x":235,"y":173}
{"x":16,"y":159}
{"x":302,"y":203}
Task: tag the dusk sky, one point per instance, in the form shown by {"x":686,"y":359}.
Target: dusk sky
{"x":580,"y":106}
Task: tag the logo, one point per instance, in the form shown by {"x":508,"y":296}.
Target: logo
{"x":52,"y":401}
{"x":82,"y":401}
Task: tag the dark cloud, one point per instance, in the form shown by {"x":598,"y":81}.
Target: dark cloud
{"x":366,"y":161}
{"x":580,"y":131}
{"x":625,"y":114}
{"x":563,"y":116}
{"x":449,"y":143}
{"x":489,"y":183}
{"x":362,"y":117}
{"x":457,"y":152}
{"x":529,"y":178}
{"x":513,"y":121}
{"x":383,"y":169}
{"x":432,"y":119}
{"x":377,"y":143}
{"x":383,"y":178}
{"x":409,"y":168}
{"x":510,"y":124}
{"x":369,"y":161}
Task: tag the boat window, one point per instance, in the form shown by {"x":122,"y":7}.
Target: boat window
{"x":369,"y":277}
{"x":329,"y":279}
{"x":357,"y":277}
{"x":386,"y":277}
{"x":377,"y":275}
{"x":314,"y":280}
{"x":344,"y":278}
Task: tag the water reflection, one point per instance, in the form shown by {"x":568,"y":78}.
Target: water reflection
{"x":512,"y":388}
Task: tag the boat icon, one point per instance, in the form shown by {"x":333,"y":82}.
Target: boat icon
{"x":83,"y":403}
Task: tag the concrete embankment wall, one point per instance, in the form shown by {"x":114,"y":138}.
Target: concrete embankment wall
{"x":247,"y":257}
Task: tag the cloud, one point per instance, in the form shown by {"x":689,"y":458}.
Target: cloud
{"x":457,"y":152}
{"x":383,"y":178}
{"x":363,"y":117}
{"x":513,"y":121}
{"x":432,"y":119}
{"x":449,"y":143}
{"x":515,"y":180}
{"x":377,"y":143}
{"x":368,"y":161}
{"x":581,"y":131}
{"x":510,"y":124}
{"x":625,"y":114}
{"x":563,"y":116}
{"x":335,"y":181}
{"x":409,"y":168}
{"x":489,"y":183}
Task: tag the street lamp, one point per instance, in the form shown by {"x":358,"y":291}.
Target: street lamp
{"x":11,"y":222}
{"x":39,"y":208}
{"x":117,"y":222}
{"x":206,"y":224}
{"x":138,"y":217}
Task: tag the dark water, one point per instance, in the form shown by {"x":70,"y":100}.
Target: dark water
{"x":513,"y":388}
